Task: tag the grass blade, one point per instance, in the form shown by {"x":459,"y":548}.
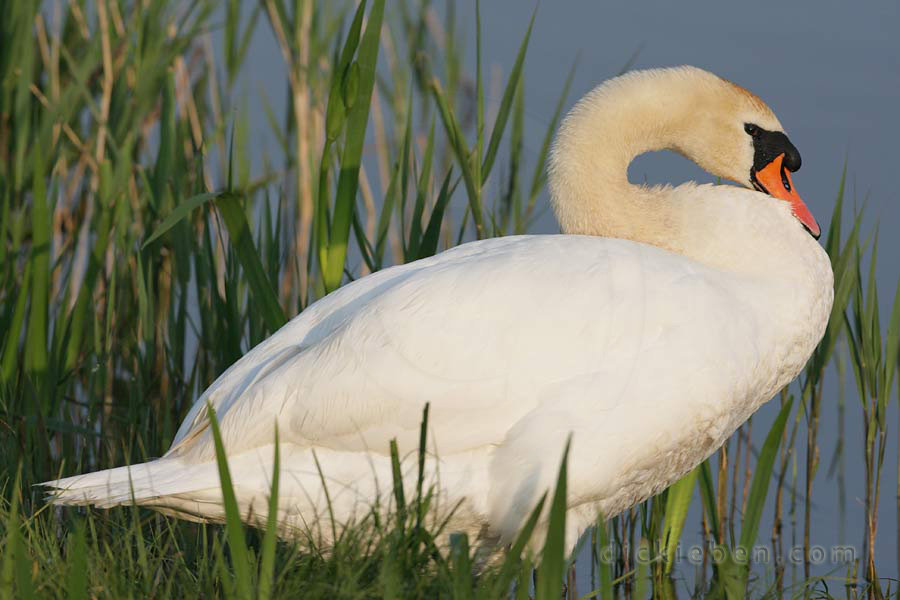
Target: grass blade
{"x":384,"y":220}
{"x":348,"y":182}
{"x":642,"y":576}
{"x":678,"y":501}
{"x":605,"y":567}
{"x":759,"y":488}
{"x":433,"y":231}
{"x":708,"y":495}
{"x":36,"y":359}
{"x":397,"y":476}
{"x":506,"y":103}
{"x":420,"y":475}
{"x":233,"y":527}
{"x":267,"y":559}
{"x":178,"y":213}
{"x":462,"y":567}
{"x":14,"y":566}
{"x":260,"y":286}
{"x":463,"y":158}
{"x":76,"y":577}
{"x":540,"y":172}
{"x":10,"y":359}
{"x":508,"y":569}
{"x":422,"y":186}
{"x":553,"y":559}
{"x":479,"y":100}
{"x":892,"y":343}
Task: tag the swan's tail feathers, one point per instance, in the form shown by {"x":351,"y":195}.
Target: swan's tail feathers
{"x":143,"y":484}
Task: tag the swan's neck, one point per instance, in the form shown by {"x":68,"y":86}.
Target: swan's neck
{"x":606,"y":130}
{"x":597,"y":141}
{"x":736,"y":229}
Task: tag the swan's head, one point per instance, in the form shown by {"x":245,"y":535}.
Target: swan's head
{"x":731,"y":133}
{"x":722,"y":127}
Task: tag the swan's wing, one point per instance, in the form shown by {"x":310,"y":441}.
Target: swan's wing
{"x":485,"y":336}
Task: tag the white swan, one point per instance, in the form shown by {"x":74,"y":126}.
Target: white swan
{"x":650,"y":332}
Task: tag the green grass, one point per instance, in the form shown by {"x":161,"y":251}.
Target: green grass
{"x":142,"y":253}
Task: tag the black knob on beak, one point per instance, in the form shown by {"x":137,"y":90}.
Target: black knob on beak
{"x":792,"y":160}
{"x":767,"y":145}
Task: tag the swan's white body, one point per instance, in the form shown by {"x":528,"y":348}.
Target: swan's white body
{"x":650,"y":356}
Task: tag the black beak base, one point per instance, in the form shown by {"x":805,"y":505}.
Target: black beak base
{"x":769,"y":144}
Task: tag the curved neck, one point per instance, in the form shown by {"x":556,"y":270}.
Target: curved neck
{"x":603,"y":133}
{"x":673,"y":109}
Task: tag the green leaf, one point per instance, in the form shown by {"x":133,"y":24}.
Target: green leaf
{"x":508,"y":569}
{"x":433,"y":231}
{"x":232,"y":26}
{"x":463,"y":158}
{"x":605,"y":567}
{"x":397,"y":476}
{"x":511,"y":198}
{"x":384,"y":220}
{"x":348,"y":182}
{"x":352,"y":41}
{"x":833,"y":241}
{"x":165,"y":156}
{"x":76,"y":576}
{"x":642,"y":576}
{"x":350,"y":86}
{"x":322,"y":220}
{"x":405,"y":163}
{"x":362,"y":242}
{"x":249,"y":29}
{"x":759,"y":488}
{"x":843,"y":266}
{"x":479,"y":99}
{"x":523,"y":581}
{"x":331,"y":520}
{"x":540,"y":172}
{"x":267,"y":562}
{"x":422,"y":186}
{"x":553,"y":559}
{"x":10,"y":360}
{"x":5,"y":220}
{"x":179,"y":213}
{"x":708,"y":495}
{"x":260,"y":286}
{"x":420,"y":475}
{"x":505,"y":104}
{"x":82,"y":312}
{"x":15,"y":565}
{"x":140,"y":543}
{"x":678,"y":500}
{"x":229,"y":178}
{"x":731,"y":576}
{"x":36,"y":359}
{"x":462,"y":567}
{"x":233,"y":527}
{"x":892,"y":343}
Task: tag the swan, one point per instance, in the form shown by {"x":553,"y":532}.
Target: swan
{"x":655,"y":325}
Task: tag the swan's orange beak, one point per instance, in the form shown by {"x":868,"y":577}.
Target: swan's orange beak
{"x":775,"y":180}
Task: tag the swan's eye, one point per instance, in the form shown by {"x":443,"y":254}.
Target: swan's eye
{"x":751,"y":129}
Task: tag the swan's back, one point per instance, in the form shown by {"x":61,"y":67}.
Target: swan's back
{"x":484,"y":334}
